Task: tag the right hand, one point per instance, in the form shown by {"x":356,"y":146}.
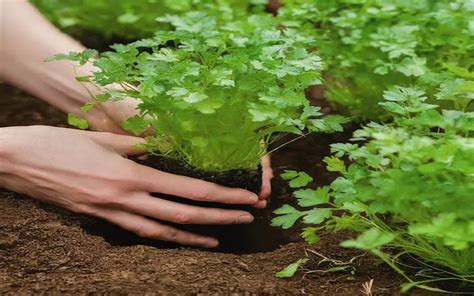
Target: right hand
{"x":87,"y":172}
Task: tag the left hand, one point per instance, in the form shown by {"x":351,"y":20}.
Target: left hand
{"x":22,"y":65}
{"x":108,"y":117}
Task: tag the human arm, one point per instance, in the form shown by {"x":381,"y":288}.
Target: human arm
{"x":87,"y":172}
{"x":27,"y":39}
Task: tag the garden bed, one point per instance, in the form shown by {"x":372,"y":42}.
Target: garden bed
{"x":44,"y":249}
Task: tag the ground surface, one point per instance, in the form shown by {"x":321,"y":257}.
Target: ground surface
{"x":47,"y":250}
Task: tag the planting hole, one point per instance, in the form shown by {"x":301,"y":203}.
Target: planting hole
{"x":257,"y":237}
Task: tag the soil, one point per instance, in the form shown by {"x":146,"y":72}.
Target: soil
{"x":250,"y":180}
{"x":47,"y":250}
{"x":258,"y":236}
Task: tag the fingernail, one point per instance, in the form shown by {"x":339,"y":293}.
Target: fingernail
{"x":245,"y":219}
{"x":262,"y":204}
{"x":211,"y":243}
{"x":253,"y":198}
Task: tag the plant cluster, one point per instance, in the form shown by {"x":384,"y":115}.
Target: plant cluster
{"x":129,"y":19}
{"x":219,"y":85}
{"x":216,"y":92}
{"x":369,"y":45}
{"x":408,"y":187}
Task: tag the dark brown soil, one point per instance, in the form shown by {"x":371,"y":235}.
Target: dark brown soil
{"x":250,"y":180}
{"x":258,"y":236}
{"x":46,"y":250}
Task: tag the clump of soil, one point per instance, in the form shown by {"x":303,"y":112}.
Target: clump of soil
{"x":249,"y":180}
{"x":47,"y":250}
{"x":258,"y":236}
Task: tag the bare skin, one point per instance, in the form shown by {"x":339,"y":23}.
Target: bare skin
{"x":27,"y":39}
{"x":87,"y":172}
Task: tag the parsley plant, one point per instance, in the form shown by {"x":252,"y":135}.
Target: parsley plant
{"x":370,"y":45}
{"x":217,"y":92}
{"x":129,"y":19}
{"x":409,"y":185}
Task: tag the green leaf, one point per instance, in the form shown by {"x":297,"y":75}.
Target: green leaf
{"x":310,"y":197}
{"x":135,"y":125}
{"x":393,"y":108}
{"x":257,"y":65}
{"x":194,"y":97}
{"x":460,"y":71}
{"x":177,"y":92}
{"x":77,"y":121}
{"x":291,"y":269}
{"x":412,"y":66}
{"x":288,"y":216}
{"x":354,"y":207}
{"x":311,"y":112}
{"x":297,"y":179}
{"x":82,"y":57}
{"x":309,"y":235}
{"x":87,"y":107}
{"x":333,"y":123}
{"x":114,"y":95}
{"x":164,"y":55}
{"x":83,"y":78}
{"x":208,"y":106}
{"x":372,"y":239}
{"x":302,"y":180}
{"x":262,"y":112}
{"x":317,"y":216}
{"x":288,"y":175}
{"x":335,"y":164}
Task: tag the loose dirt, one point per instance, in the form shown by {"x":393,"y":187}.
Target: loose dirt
{"x":47,"y":250}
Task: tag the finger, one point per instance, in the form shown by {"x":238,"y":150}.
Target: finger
{"x":122,"y":144}
{"x":267,"y":176}
{"x":266,"y":189}
{"x":165,"y":210}
{"x":261,"y":204}
{"x":266,"y":161}
{"x":151,"y":229}
{"x":99,"y":121}
{"x":190,"y":188}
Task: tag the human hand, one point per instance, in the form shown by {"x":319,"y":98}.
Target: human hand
{"x":108,"y":117}
{"x":266,"y":189}
{"x":87,"y":172}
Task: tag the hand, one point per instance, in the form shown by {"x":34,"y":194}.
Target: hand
{"x":266,"y":189}
{"x":109,"y":116}
{"x":86,"y":172}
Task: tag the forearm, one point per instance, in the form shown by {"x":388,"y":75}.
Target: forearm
{"x":27,"y":39}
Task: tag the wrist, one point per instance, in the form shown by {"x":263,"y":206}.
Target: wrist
{"x":6,"y":148}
